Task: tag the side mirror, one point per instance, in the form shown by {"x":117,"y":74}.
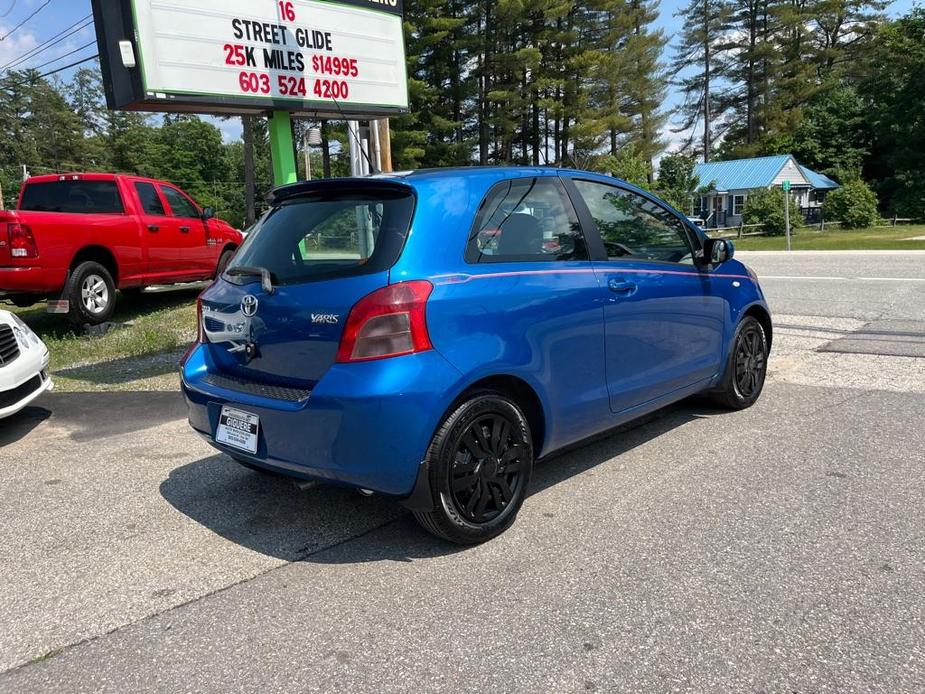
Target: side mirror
{"x":208,"y":213}
{"x":718,"y":251}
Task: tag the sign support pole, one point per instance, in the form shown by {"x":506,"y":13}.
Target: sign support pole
{"x":786,"y":187}
{"x":282,"y":149}
{"x":385,"y":145}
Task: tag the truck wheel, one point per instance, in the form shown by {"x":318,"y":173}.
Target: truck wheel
{"x":223,"y":263}
{"x":91,"y":293}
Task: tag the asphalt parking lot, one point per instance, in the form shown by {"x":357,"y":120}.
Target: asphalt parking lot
{"x":777,"y":549}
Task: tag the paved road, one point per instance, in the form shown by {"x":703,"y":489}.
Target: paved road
{"x":781,"y":548}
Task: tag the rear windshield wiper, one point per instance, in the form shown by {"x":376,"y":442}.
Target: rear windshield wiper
{"x":266,"y":278}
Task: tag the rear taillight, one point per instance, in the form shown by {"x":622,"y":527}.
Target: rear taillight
{"x":389,"y":322}
{"x":22,"y":242}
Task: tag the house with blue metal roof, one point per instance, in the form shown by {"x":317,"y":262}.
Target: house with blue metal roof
{"x":730,"y":183}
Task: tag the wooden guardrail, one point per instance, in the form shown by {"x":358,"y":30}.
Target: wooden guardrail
{"x":742,"y":229}
{"x":737,"y":231}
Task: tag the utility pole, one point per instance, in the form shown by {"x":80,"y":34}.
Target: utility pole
{"x":325,"y":150}
{"x":308,"y":157}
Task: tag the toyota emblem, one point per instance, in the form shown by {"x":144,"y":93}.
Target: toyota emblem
{"x":249,"y":306}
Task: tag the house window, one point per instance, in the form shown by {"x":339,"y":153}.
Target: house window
{"x":738,"y":204}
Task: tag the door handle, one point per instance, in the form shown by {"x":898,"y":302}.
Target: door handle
{"x":185,"y":230}
{"x":153,"y":228}
{"x":619,"y":285}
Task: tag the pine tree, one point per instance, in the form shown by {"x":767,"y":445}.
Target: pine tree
{"x":749,"y":74}
{"x":645,"y":83}
{"x":699,"y":66}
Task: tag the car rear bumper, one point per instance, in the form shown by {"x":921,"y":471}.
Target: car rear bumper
{"x":366,"y":425}
{"x":31,"y":280}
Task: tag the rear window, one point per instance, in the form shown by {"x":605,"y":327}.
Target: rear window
{"x":150,"y":200}
{"x":80,"y":197}
{"x":329,"y":234}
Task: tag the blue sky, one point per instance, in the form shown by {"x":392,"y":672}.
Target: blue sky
{"x":60,"y":14}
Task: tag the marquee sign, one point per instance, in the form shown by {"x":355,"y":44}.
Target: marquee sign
{"x":327,"y":57}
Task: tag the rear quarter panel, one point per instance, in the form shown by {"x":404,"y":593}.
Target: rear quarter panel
{"x":60,"y":236}
{"x":497,"y":319}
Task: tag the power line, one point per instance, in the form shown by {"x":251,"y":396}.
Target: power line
{"x":39,"y":9}
{"x":23,"y":83}
{"x":7,"y":13}
{"x":68,"y":67}
{"x":46,"y":45}
{"x":62,"y":57}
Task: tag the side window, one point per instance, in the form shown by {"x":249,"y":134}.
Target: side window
{"x":524,"y":220}
{"x":179,"y":205}
{"x":150,"y":200}
{"x":632,"y":226}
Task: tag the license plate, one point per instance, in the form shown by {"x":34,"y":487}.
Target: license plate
{"x":238,"y":429}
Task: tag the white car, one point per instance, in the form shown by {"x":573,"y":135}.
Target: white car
{"x":23,"y":365}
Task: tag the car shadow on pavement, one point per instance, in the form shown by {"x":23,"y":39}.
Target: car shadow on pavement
{"x":271,"y":516}
{"x":21,"y":424}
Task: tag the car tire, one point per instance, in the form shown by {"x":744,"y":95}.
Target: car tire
{"x":91,"y":293}
{"x":746,"y":368}
{"x":479,"y":466}
{"x":223,"y":261}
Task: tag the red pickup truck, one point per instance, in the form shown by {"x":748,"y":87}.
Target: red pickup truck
{"x":76,"y":238}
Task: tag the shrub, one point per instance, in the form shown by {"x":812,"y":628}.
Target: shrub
{"x":854,"y":205}
{"x":767,"y":207}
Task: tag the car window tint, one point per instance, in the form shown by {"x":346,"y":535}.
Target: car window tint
{"x":150,"y":200}
{"x":332,"y":233}
{"x":633,"y":226}
{"x":179,"y":205}
{"x":349,"y":233}
{"x":78,"y":197}
{"x":528,"y":219}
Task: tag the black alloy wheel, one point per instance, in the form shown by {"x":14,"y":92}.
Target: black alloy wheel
{"x":750,"y":361}
{"x":747,"y":368}
{"x":479,"y":465}
{"x":486,"y":473}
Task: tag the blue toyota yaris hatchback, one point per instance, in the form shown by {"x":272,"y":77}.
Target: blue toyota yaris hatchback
{"x":429,"y":335}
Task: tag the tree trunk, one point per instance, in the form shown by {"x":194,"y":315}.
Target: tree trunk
{"x":250,"y":184}
{"x":484,"y":87}
{"x":707,"y":116}
{"x":750,"y":73}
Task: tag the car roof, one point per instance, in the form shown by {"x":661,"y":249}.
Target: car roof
{"x":473,"y":171}
{"x":485,"y":174}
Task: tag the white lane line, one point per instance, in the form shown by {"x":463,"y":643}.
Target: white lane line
{"x":799,"y":277}
{"x":841,"y":279}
